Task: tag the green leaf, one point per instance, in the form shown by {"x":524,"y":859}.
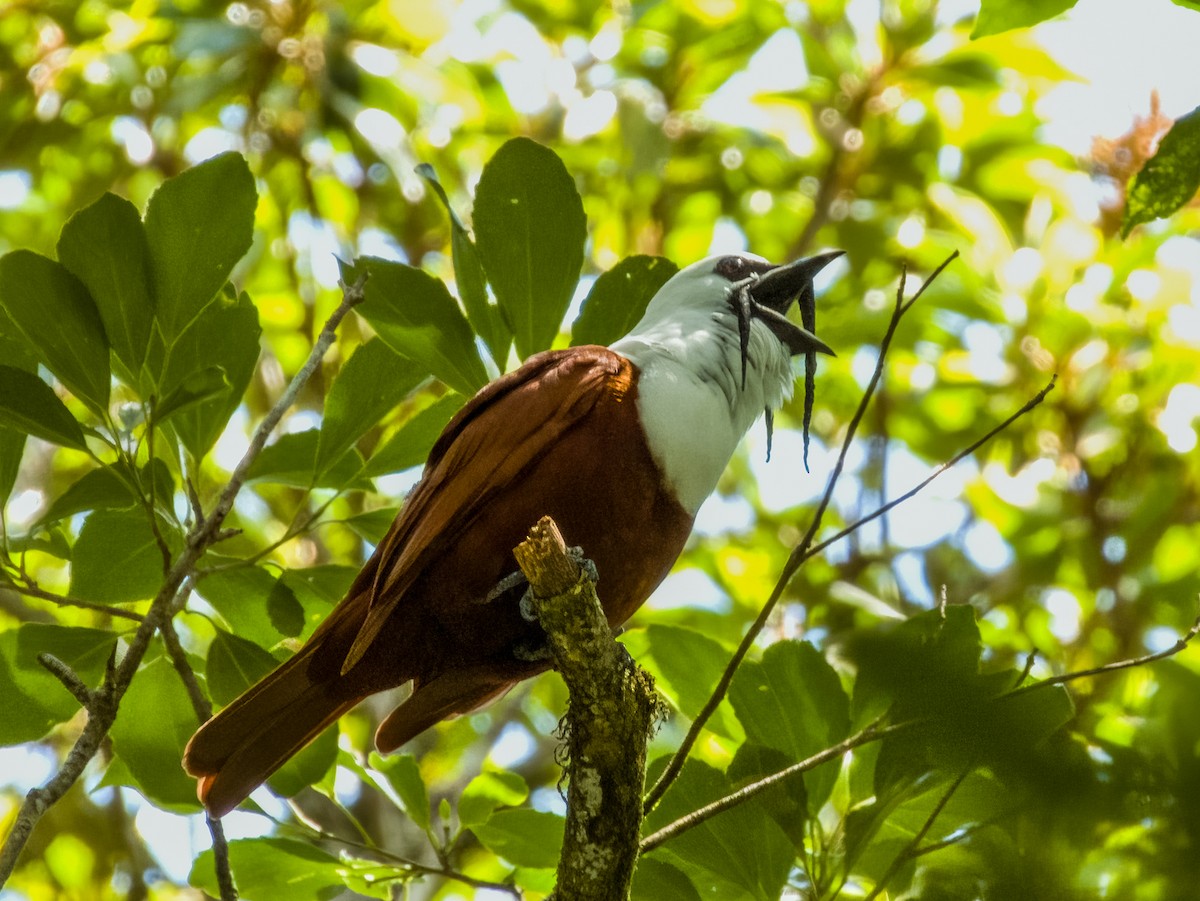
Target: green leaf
{"x":924,"y":665}
{"x":225,"y":336}
{"x":258,"y":606}
{"x":414,"y":313}
{"x":12,"y":447}
{"x":687,"y":666}
{"x":793,"y":702}
{"x":787,"y":803}
{"x":201,"y":386}
{"x":233,"y":665}
{"x":618,"y":299}
{"x":372,"y":526}
{"x":526,"y":838}
{"x":292,"y":459}
{"x":404,"y":776}
{"x":198,"y":225}
{"x":412,"y":442}
{"x":34,"y":700}
{"x":530,"y":230}
{"x":996,"y":16}
{"x":105,"y":247}
{"x":273,"y":869}
{"x":654,"y":880}
{"x":116,"y":557}
{"x":483,"y":315}
{"x":737,"y":854}
{"x":109,"y":487}
{"x":1169,"y":179}
{"x":12,"y":441}
{"x":153,"y":726}
{"x":370,"y":384}
{"x":58,"y":319}
{"x":29,"y":406}
{"x":487,"y":791}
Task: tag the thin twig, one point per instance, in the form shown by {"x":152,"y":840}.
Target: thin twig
{"x":873,"y":732}
{"x":1179,"y":645}
{"x":396,"y":861}
{"x":68,"y":678}
{"x":797,"y":556}
{"x":29,"y":588}
{"x":106,"y":699}
{"x":949,"y":464}
{"x":910,"y":849}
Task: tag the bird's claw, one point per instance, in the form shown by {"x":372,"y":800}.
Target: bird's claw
{"x":508,"y":583}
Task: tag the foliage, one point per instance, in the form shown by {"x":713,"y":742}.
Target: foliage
{"x":156,"y":293}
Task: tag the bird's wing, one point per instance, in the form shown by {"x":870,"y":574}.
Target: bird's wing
{"x":502,"y":430}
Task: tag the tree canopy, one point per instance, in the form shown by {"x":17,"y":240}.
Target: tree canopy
{"x":182,"y":185}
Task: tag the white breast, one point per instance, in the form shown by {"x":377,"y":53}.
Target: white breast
{"x":690,"y":398}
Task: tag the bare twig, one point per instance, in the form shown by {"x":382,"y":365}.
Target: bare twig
{"x":105,"y":700}
{"x":874,"y":732}
{"x":910,"y":849}
{"x":68,"y":678}
{"x":1179,"y":645}
{"x":30,"y":588}
{"x":877,"y":731}
{"x":797,"y":556}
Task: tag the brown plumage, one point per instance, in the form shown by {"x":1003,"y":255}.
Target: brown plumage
{"x":554,"y":437}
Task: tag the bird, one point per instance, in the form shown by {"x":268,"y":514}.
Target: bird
{"x":620,"y":445}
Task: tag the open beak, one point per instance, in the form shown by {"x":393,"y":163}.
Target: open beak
{"x":775,"y":291}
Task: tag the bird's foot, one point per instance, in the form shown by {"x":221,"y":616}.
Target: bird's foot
{"x":585,"y":563}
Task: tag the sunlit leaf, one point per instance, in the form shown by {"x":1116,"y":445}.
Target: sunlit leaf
{"x":371,"y":382}
{"x":530,"y":230}
{"x":1169,"y":179}
{"x":117,"y":556}
{"x":413,"y":441}
{"x":57,"y":318}
{"x":223,"y":335}
{"x":619,"y":298}
{"x":155,"y":721}
{"x":404,"y":776}
{"x":527,"y":838}
{"x":996,"y":16}
{"x":29,"y":406}
{"x":414,"y":313}
{"x":34,"y":700}
{"x":483,"y":315}
{"x":738,"y":854}
{"x":487,"y":791}
{"x":198,"y":225}
{"x":105,"y":247}
{"x":273,"y":869}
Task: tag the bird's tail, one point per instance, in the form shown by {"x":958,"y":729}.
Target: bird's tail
{"x":235,"y":751}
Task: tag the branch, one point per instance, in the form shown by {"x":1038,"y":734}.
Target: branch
{"x":105,"y":700}
{"x":797,"y":557}
{"x":612,"y":710}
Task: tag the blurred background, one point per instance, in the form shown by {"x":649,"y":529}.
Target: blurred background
{"x":783,"y":128}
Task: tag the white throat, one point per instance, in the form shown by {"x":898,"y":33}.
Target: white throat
{"x":691,"y":402}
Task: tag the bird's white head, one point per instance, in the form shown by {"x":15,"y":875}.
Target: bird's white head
{"x":714,"y":351}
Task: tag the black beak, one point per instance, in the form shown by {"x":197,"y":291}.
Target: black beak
{"x":773,"y":294}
